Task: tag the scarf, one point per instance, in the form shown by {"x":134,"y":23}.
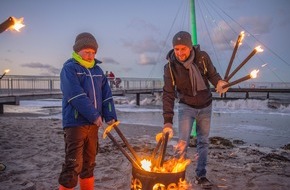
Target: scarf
{"x":196,"y":80}
{"x":82,"y":62}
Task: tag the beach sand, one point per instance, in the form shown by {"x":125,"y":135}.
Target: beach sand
{"x":32,"y":149}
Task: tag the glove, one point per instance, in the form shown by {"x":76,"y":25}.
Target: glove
{"x":167,"y":128}
{"x":219,"y":87}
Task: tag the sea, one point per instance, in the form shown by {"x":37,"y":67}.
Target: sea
{"x":264,"y":123}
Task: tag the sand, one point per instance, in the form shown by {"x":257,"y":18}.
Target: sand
{"x":32,"y":149}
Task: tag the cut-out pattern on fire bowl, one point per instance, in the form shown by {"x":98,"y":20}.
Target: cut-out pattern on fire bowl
{"x":144,"y":180}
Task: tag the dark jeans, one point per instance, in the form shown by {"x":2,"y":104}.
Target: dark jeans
{"x":81,"y":144}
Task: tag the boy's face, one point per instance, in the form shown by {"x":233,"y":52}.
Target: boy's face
{"x":87,"y":54}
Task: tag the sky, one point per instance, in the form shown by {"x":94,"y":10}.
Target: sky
{"x":135,"y":36}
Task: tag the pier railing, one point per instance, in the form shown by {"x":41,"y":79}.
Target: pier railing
{"x":17,"y":85}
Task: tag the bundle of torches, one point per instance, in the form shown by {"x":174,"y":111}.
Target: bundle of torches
{"x":155,"y":162}
{"x":253,"y":74}
{"x":159,"y":165}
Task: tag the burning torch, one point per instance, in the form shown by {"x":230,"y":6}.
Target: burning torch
{"x":12,"y":23}
{"x":5,"y":72}
{"x":257,"y":49}
{"x":253,"y":74}
{"x":238,"y":42}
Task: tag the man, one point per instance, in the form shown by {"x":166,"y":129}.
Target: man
{"x":186,"y":77}
{"x":87,"y":100}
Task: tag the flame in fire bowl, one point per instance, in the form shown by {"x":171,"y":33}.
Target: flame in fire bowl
{"x":145,"y":180}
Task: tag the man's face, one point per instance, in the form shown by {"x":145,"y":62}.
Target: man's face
{"x":87,"y":54}
{"x":181,"y":52}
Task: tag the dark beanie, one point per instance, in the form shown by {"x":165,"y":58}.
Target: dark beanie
{"x":182,"y":38}
{"x":85,"y":40}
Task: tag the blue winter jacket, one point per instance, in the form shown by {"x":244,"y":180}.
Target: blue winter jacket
{"x":86,"y":95}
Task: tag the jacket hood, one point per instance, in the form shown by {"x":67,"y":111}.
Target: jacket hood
{"x":170,"y":56}
{"x":98,"y":61}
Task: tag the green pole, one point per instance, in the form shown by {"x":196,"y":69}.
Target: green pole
{"x":193,"y":131}
{"x":194,"y":42}
{"x":193,"y":22}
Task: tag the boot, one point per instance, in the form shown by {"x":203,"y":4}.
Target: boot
{"x":64,"y":188}
{"x":87,"y":183}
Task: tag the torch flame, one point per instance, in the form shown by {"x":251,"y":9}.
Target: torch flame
{"x":7,"y":71}
{"x":242,"y":35}
{"x":18,"y":24}
{"x":259,"y":49}
{"x":254,"y":73}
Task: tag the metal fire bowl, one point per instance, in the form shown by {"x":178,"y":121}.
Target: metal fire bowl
{"x":145,"y":180}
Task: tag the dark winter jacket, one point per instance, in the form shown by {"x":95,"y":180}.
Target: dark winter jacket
{"x":86,"y":95}
{"x":177,"y":83}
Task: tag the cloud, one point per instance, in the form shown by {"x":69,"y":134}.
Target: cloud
{"x":7,"y":60}
{"x":142,"y":25}
{"x":256,"y":25}
{"x":148,"y":44}
{"x":109,"y":60}
{"x":48,"y":69}
{"x":146,"y":60}
{"x":224,"y":36}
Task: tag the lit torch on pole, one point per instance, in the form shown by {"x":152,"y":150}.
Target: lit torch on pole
{"x":253,"y":74}
{"x":12,"y":23}
{"x":238,"y":43}
{"x":5,"y":72}
{"x":257,"y":49}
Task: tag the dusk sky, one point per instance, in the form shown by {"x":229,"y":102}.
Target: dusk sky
{"x":135,"y":36}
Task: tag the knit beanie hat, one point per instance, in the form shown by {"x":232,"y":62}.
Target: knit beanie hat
{"x":85,"y":40}
{"x":182,"y":38}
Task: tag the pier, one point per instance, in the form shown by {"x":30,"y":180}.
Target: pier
{"x":13,"y":89}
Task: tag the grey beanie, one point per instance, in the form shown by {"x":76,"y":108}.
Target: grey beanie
{"x":182,"y":38}
{"x":85,"y":40}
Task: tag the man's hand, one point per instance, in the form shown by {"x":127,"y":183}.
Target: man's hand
{"x":167,"y":128}
{"x":219,"y":87}
{"x":98,"y":122}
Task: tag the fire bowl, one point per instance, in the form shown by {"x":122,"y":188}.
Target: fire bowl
{"x":144,"y":180}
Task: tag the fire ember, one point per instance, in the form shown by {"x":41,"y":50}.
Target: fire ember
{"x":153,"y":172}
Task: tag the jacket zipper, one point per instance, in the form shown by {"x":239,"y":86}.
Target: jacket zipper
{"x":95,"y":99}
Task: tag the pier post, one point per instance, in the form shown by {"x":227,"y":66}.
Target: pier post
{"x":138,"y":99}
{"x":1,"y":109}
